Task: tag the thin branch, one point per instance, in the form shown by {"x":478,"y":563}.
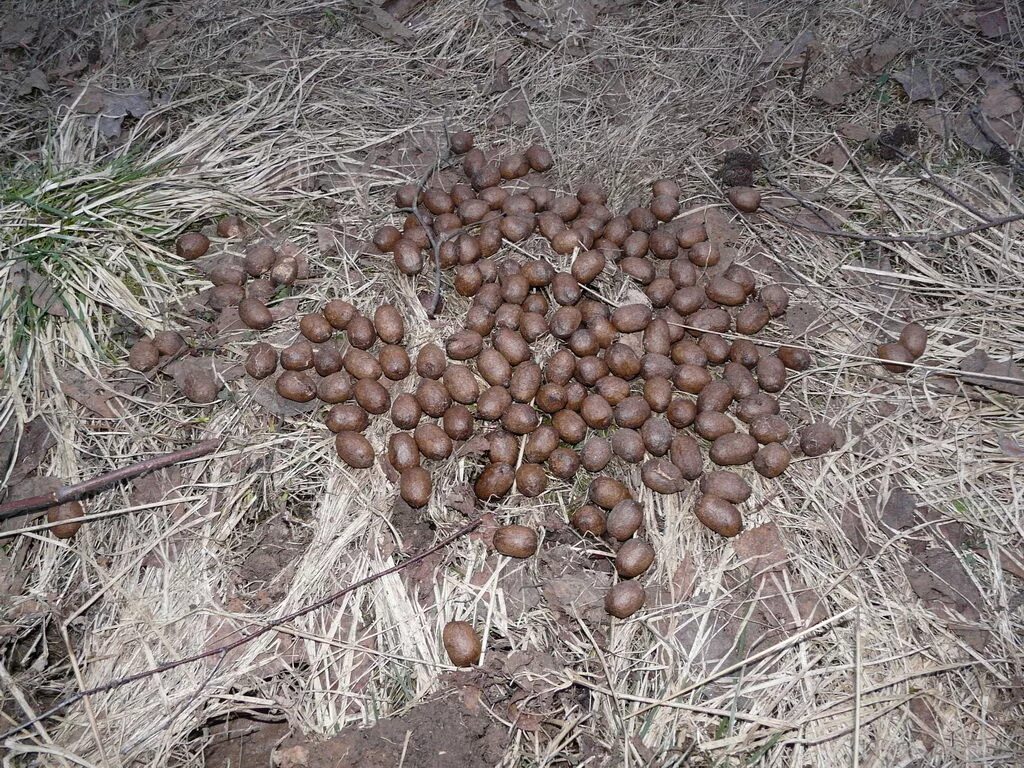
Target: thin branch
{"x":981,"y":123}
{"x":228,"y":647}
{"x":443,"y":156}
{"x":936,"y":237}
{"x":928,"y":177}
{"x":67,"y":493}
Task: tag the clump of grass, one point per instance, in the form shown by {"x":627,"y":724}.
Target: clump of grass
{"x":88,"y":235}
{"x":81,"y":250}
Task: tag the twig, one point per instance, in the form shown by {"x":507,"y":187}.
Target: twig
{"x":228,"y":647}
{"x":928,"y":177}
{"x":936,"y":237}
{"x":435,"y":244}
{"x":67,"y":493}
{"x":982,"y":125}
{"x":803,"y":72}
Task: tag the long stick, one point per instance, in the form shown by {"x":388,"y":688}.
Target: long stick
{"x":228,"y":647}
{"x":74,"y":492}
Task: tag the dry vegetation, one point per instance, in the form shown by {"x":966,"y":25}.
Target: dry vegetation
{"x":872,"y":615}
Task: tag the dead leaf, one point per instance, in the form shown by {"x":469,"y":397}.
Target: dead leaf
{"x":40,"y":290}
{"x":519,"y":110}
{"x":400,"y":9}
{"x":853,"y":131}
{"x":326,"y":240}
{"x":1009,"y":373}
{"x":941,"y":582}
{"x":109,"y":107}
{"x":33,"y":486}
{"x":786,"y":604}
{"x":920,"y":82}
{"x":36,"y":440}
{"x":524,"y":721}
{"x":938,"y":575}
{"x":265,"y":393}
{"x":761,"y":549}
{"x":882,"y":53}
{"x":1011,"y":446}
{"x":1011,"y":564}
{"x":719,"y":227}
{"x":832,"y":155}
{"x":380,"y":22}
{"x":836,"y":90}
{"x":579,"y":593}
{"x":974,"y":362}
{"x":684,"y":579}
{"x":969,"y":133}
{"x":790,"y":55}
{"x":993,"y":23}
{"x":899,"y":510}
{"x":1000,"y":100}
{"x":924,"y":724}
{"x":34,"y":80}
{"x":936,"y":121}
{"x":534,"y":22}
{"x":856,"y":531}
{"x":500,"y":83}
{"x":18,"y":31}
{"x":916,"y":9}
{"x":88,"y":392}
{"x":802,"y":319}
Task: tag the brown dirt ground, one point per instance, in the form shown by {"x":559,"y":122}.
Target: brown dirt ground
{"x":437,"y":734}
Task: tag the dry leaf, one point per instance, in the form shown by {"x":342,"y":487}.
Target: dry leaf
{"x":853,"y":131}
{"x":836,"y":90}
{"x":802,"y":320}
{"x":579,"y":593}
{"x":401,"y":8}
{"x":719,"y":227}
{"x":920,"y":82}
{"x":519,"y":110}
{"x":18,"y":31}
{"x":36,"y":440}
{"x":832,"y":155}
{"x":789,"y":55}
{"x":34,"y":80}
{"x":899,"y":510}
{"x":42,"y":293}
{"x":883,"y":52}
{"x":938,"y":577}
{"x":923,"y":723}
{"x":382,"y":23}
{"x":265,"y":393}
{"x":761,"y":549}
{"x":500,"y":83}
{"x":1011,"y":446}
{"x":978,"y":361}
{"x":109,"y":107}
{"x":1000,"y":100}
{"x":993,"y":22}
{"x":88,"y":392}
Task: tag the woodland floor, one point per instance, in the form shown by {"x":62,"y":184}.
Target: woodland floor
{"x":872,"y":613}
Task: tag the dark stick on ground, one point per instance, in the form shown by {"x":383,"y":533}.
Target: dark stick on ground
{"x":981,"y":123}
{"x":442,"y":159}
{"x":929,"y":178}
{"x":228,"y":647}
{"x":67,"y":493}
{"x":935,"y":237}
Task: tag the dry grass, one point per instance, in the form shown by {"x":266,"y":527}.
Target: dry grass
{"x":656,"y":91}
